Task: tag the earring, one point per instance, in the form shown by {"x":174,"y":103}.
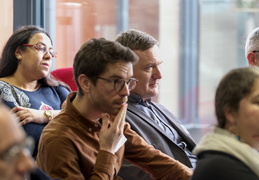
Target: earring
{"x":18,"y":57}
{"x":238,"y":138}
{"x":233,"y":129}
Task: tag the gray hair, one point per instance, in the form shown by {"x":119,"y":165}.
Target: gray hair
{"x":252,"y":41}
{"x":136,"y":40}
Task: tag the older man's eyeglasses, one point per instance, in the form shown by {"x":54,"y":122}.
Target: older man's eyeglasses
{"x":42,"y":49}
{"x":27,"y":147}
{"x":118,"y":84}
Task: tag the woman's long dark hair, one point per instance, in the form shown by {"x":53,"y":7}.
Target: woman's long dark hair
{"x":8,"y":60}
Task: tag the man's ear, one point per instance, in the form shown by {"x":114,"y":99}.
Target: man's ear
{"x":84,"y":82}
{"x":251,"y":57}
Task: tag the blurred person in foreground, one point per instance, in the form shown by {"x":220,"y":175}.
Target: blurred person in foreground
{"x":90,"y":139}
{"x":16,"y":162}
{"x":152,"y":121}
{"x":25,"y":83}
{"x":231,"y":151}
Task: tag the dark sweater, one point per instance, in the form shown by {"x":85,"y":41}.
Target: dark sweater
{"x":215,"y":165}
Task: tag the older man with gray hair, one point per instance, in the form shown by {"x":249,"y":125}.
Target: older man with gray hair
{"x":252,"y":47}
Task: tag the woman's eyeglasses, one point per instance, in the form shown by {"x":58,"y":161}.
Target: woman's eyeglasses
{"x":42,"y":49}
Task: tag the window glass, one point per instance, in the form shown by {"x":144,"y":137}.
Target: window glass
{"x":6,"y":25}
{"x":224,"y":26}
{"x":78,"y":21}
{"x":218,"y":28}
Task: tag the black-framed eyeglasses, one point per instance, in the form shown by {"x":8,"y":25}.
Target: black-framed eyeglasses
{"x":118,"y":84}
{"x":27,"y":147}
{"x":42,"y":49}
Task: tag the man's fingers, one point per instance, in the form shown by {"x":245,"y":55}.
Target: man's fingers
{"x":105,"y":121}
{"x":118,"y":121}
{"x":120,"y":118}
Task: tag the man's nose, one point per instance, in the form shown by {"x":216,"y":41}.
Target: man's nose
{"x":157,"y":73}
{"x":125,"y":90}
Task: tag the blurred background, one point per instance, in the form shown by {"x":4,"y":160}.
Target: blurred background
{"x":200,"y":41}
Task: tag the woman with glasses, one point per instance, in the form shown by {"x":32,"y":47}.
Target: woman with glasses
{"x":25,"y":83}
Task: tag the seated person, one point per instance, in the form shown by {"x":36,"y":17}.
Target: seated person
{"x":231,"y":151}
{"x":90,"y":139}
{"x":25,"y":84}
{"x":152,"y":121}
{"x":252,"y":47}
{"x":15,"y":158}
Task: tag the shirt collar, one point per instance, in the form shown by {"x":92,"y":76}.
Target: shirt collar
{"x":134,"y":98}
{"x":76,"y":116}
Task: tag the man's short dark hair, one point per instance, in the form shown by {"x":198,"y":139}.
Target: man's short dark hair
{"x":93,"y":57}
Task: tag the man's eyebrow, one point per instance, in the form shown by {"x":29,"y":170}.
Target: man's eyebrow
{"x":151,"y":64}
{"x":160,"y":62}
{"x":154,"y":64}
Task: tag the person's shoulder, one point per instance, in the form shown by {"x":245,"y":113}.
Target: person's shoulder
{"x":38,"y":174}
{"x":219,"y":165}
{"x":62,"y":89}
{"x":160,"y":106}
{"x":165,"y":110}
{"x":61,"y":127}
{"x":216,"y":157}
{"x":157,"y":103}
{"x":56,"y":135}
{"x":56,"y":87}
{"x":5,"y":87}
{"x":3,"y":82}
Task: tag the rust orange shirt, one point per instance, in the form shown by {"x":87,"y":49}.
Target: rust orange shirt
{"x":69,"y":150}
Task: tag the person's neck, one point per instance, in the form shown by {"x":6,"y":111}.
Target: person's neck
{"x":21,"y":82}
{"x":86,"y":109}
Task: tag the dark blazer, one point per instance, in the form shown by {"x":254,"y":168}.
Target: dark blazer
{"x":149,"y":130}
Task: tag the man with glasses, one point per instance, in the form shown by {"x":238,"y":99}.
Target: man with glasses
{"x":15,"y":150}
{"x":89,"y":139}
{"x":156,"y":124}
{"x":252,"y":47}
